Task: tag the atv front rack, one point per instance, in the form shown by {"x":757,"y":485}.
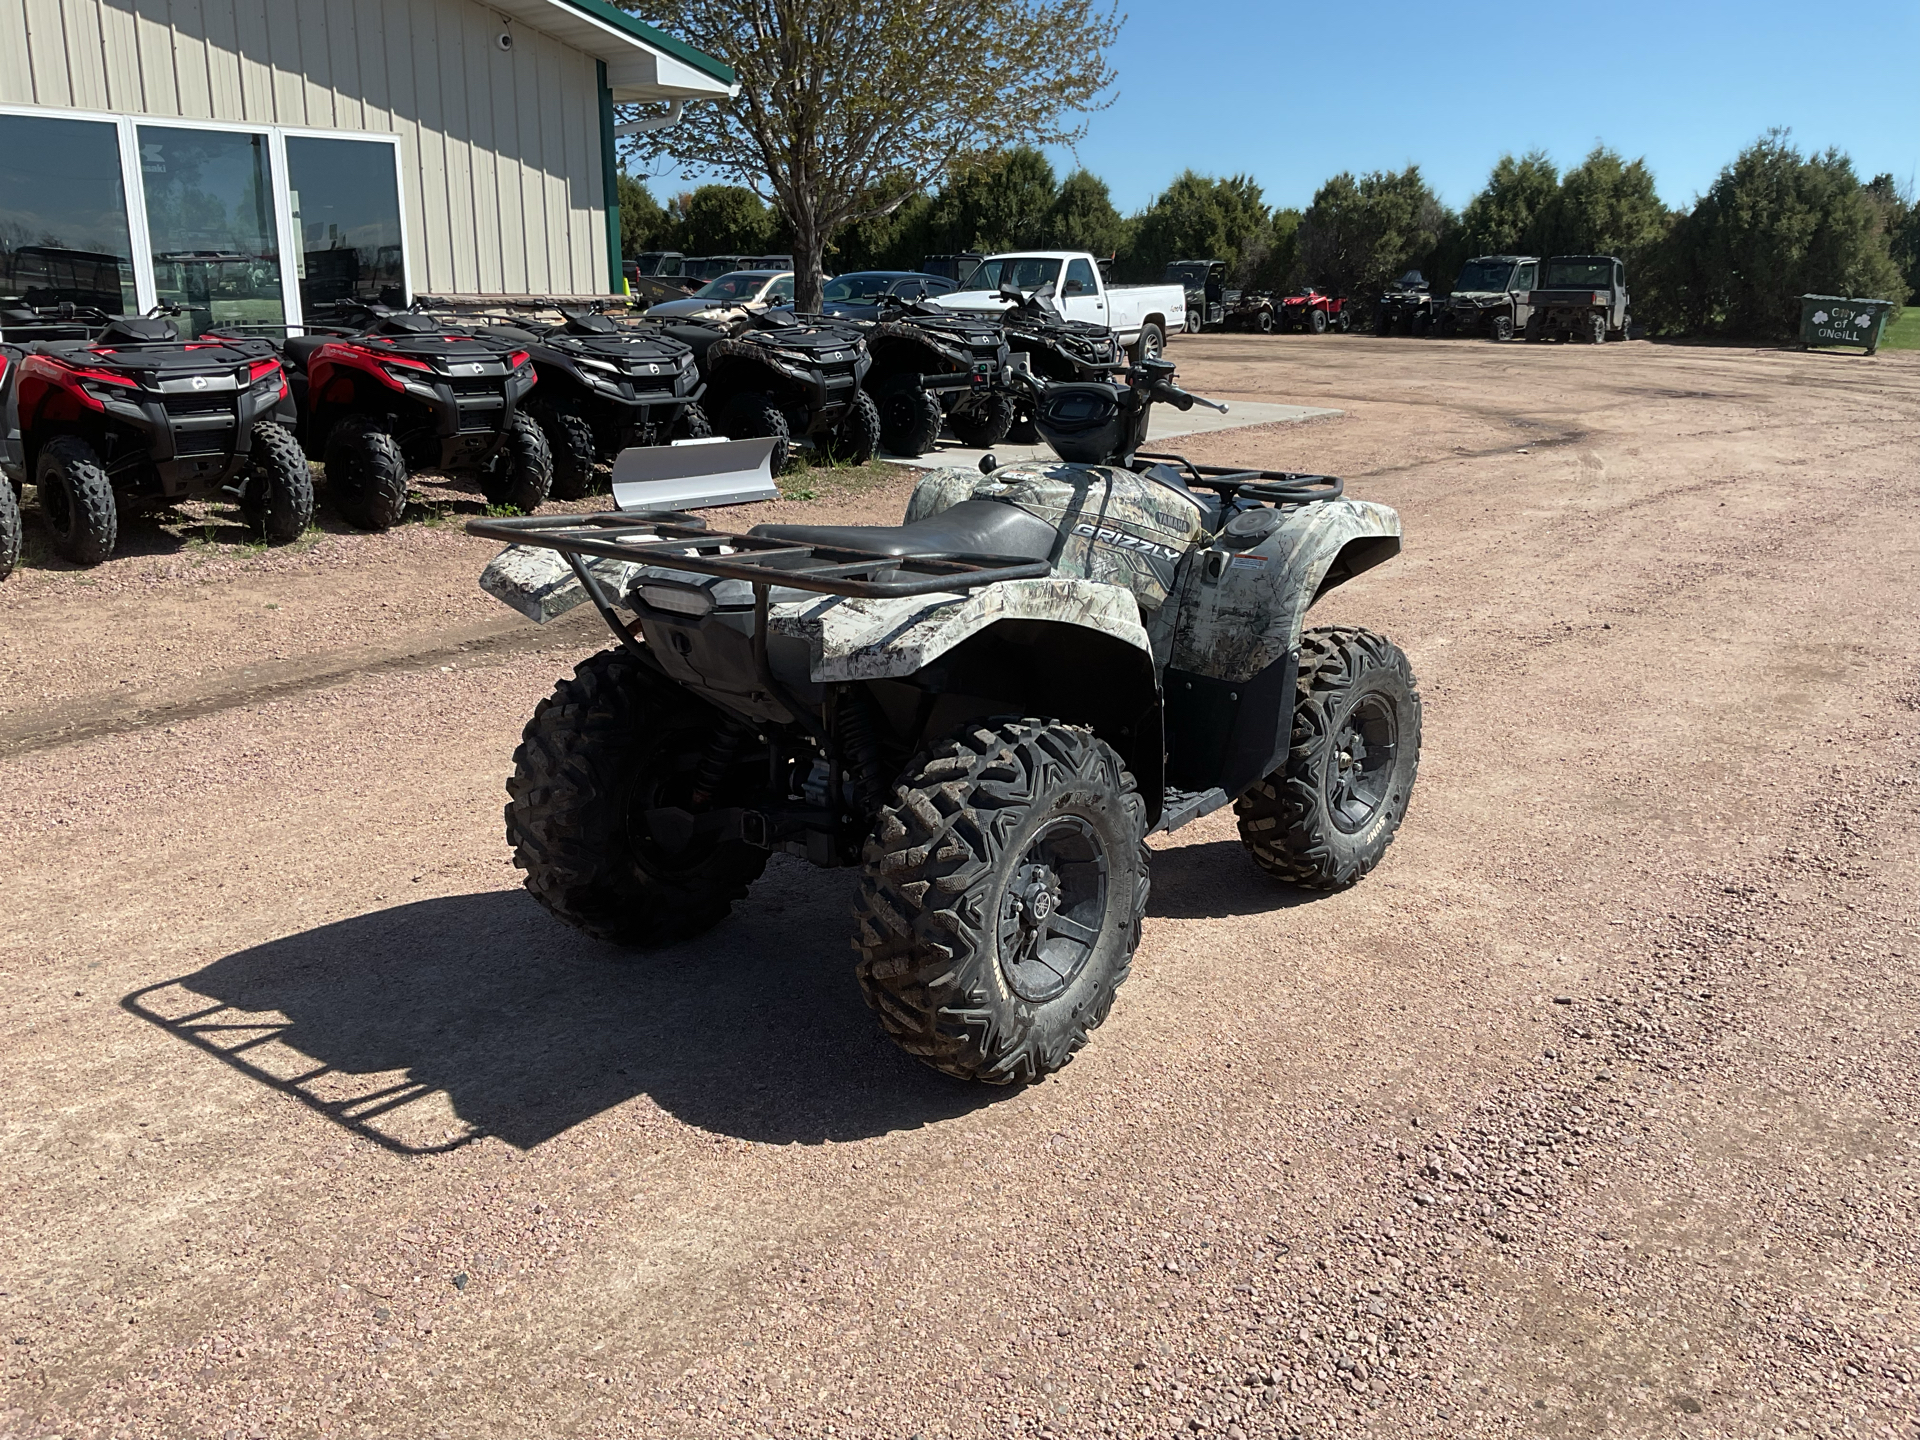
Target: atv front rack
{"x":682,"y":542}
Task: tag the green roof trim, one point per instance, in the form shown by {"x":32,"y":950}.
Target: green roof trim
{"x":640,"y":30}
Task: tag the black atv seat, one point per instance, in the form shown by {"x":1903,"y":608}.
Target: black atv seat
{"x":138,"y":330}
{"x":591,"y":323}
{"x":300,"y":348}
{"x":408,"y":324}
{"x":972,"y":527}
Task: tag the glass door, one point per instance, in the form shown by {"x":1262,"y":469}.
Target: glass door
{"x":63,"y":215}
{"x":346,"y":213}
{"x":210,"y":222}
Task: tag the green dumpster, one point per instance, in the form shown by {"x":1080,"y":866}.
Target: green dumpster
{"x":1836,"y":320}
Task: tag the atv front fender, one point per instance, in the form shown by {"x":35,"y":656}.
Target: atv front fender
{"x":893,"y":639}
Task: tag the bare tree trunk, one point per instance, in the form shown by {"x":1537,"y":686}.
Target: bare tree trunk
{"x":809,"y":256}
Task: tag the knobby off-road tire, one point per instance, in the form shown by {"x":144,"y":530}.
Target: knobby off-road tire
{"x":1325,"y":817}
{"x":1536,"y":329}
{"x":691,"y":424}
{"x":277,"y":503}
{"x":1194,"y":322}
{"x":9,"y":528}
{"x":1264,"y":323}
{"x":520,"y":475}
{"x":1382,"y":322}
{"x":1317,"y":321}
{"x":1023,"y":431}
{"x":1004,"y":891}
{"x":1344,"y":320}
{"x":1596,"y":328}
{"x":910,"y":421}
{"x":608,"y":745}
{"x":856,"y":439}
{"x":366,"y":474}
{"x":76,"y":500}
{"x":575,"y":453}
{"x":983,"y":421}
{"x":1500,"y":329}
{"x":753,"y":416}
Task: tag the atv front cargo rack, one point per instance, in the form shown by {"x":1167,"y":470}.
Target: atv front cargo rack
{"x":686,"y":543}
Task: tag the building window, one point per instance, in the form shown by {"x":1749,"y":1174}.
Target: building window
{"x":64,"y":236}
{"x":346,"y":211}
{"x":216,"y":251}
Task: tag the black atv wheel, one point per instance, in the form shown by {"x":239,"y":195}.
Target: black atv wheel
{"x":691,"y":424}
{"x":753,"y":416}
{"x":1420,"y":327}
{"x":609,"y":745}
{"x":857,"y":437}
{"x":1317,"y":321}
{"x":1596,"y":328}
{"x":1382,"y":322}
{"x":910,"y":421}
{"x":520,"y":474}
{"x":277,"y":501}
{"x":1151,"y":344}
{"x":1325,"y":817}
{"x":1500,"y":328}
{"x":1536,"y":329}
{"x":9,"y":528}
{"x":983,"y":421}
{"x":1002,"y":900}
{"x":575,"y":453}
{"x":76,"y":500}
{"x":366,"y":474}
{"x":1023,"y":431}
{"x":1344,"y":320}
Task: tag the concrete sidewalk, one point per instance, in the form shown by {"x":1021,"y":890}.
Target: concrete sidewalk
{"x":1165,"y":424}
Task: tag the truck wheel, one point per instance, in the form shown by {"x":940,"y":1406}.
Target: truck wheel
{"x":1536,"y":329}
{"x":1318,"y":321}
{"x":857,"y":437}
{"x":1449,"y":327}
{"x":910,"y":421}
{"x":753,"y":416}
{"x":366,"y":475}
{"x":609,"y":745}
{"x":1194,"y":322}
{"x":984,"y":422}
{"x":76,"y":499}
{"x":520,"y":474}
{"x":570,"y":441}
{"x":1500,"y":328}
{"x":1151,"y":344}
{"x":9,"y":528}
{"x":1326,"y":816}
{"x":1596,"y":330}
{"x":691,"y":424}
{"x":1002,"y":899}
{"x":277,"y":502}
{"x":1264,"y":322}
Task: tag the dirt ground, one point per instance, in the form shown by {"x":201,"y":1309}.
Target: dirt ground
{"x":1591,"y":1113}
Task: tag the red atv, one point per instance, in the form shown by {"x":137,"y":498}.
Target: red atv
{"x":1310,"y":310}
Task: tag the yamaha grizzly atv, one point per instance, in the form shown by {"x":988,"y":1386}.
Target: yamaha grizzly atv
{"x":933,"y":368}
{"x":987,"y":709}
{"x":135,"y":417}
{"x":783,"y":377}
{"x":381,"y":390}
{"x":605,"y":387}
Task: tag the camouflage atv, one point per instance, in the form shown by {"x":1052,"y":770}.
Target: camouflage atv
{"x":987,"y":710}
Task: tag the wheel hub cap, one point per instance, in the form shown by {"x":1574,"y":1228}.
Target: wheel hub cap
{"x":1053,"y":909}
{"x":1361,"y":774}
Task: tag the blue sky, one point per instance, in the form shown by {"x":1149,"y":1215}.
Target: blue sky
{"x":1291,"y":94}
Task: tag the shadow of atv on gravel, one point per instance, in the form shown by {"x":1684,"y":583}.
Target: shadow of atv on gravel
{"x":428,"y":1026}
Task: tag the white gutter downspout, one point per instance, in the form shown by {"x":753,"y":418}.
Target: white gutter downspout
{"x":675,"y":109}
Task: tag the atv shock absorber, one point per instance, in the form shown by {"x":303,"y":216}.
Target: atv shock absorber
{"x":714,"y":765}
{"x":853,"y":712}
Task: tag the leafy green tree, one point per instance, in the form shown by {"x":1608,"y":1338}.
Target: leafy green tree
{"x":837,"y":95}
{"x":1198,"y":217}
{"x":1083,"y":217}
{"x":727,"y":219}
{"x":1605,"y":207}
{"x":1360,"y":234}
{"x":1775,"y":225}
{"x":1508,"y":216}
{"x":891,"y":238}
{"x":644,"y":222}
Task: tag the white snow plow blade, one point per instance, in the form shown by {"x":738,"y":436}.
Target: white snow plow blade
{"x":693,"y":475}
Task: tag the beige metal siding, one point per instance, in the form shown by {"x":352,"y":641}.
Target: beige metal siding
{"x":501,"y":149}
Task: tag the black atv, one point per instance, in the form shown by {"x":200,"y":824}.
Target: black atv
{"x":784,"y":377}
{"x":1055,"y":348}
{"x":1406,"y":307}
{"x":380,"y":390}
{"x":131,"y":417}
{"x":604,"y":387}
{"x":935,"y":368}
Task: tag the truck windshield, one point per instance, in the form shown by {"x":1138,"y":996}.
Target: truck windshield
{"x":1029,"y":272}
{"x":1484,"y":275}
{"x":1579,"y":275}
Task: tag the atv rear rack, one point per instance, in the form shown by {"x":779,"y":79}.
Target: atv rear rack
{"x":1276,"y":487}
{"x":682,"y":542}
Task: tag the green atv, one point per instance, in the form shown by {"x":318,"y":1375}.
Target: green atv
{"x":987,"y":709}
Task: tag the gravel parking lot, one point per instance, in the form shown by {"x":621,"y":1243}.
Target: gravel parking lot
{"x":1591,"y":1113}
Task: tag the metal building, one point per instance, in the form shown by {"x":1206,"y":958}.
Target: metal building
{"x":251,"y":159}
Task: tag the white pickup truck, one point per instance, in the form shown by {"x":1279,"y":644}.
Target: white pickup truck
{"x":1141,"y":315}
